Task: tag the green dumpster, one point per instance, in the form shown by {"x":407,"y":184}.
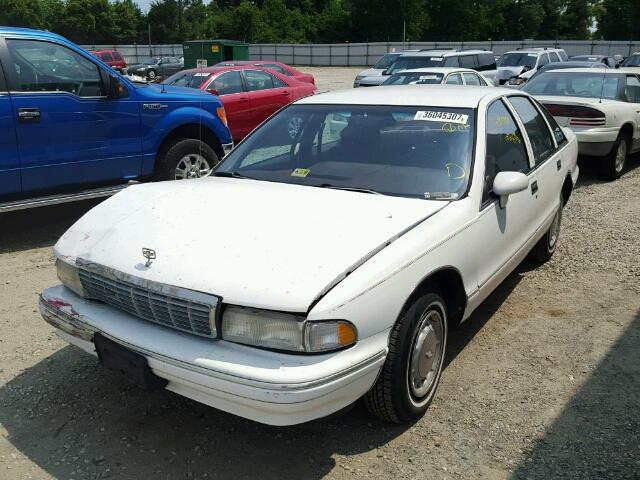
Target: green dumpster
{"x":205,"y":53}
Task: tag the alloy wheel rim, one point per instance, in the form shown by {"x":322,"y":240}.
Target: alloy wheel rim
{"x":191,"y":166}
{"x":426,"y":354}
{"x":621,"y":155}
{"x":554,"y":231}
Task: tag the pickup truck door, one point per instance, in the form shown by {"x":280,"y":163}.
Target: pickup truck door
{"x":632,"y":96}
{"x":68,"y":131}
{"x":9,"y":161}
{"x":501,"y":233}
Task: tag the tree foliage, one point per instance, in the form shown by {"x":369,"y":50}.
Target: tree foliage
{"x":301,"y":21}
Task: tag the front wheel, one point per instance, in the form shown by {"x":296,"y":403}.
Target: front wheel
{"x":613,"y":164}
{"x":185,"y":159}
{"x":411,"y":373}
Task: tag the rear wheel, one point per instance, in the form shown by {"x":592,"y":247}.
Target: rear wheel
{"x":411,"y":373}
{"x":185,"y":159}
{"x":546,"y":246}
{"x":613,"y":164}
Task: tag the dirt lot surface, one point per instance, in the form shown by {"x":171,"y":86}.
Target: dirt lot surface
{"x":542,"y":382}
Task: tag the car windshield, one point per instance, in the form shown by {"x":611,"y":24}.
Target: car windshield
{"x":518,"y":60}
{"x":150,"y":61}
{"x":574,"y":84}
{"x":187,"y":79}
{"x":411,"y":63}
{"x":414,"y":78}
{"x":632,"y":61}
{"x":421,"y":152}
{"x":386,"y":61}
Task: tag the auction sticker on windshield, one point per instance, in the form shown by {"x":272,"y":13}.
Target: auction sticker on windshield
{"x":449,"y":117}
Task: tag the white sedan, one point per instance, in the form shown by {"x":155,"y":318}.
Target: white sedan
{"x":602,"y":107}
{"x":329,"y":266}
{"x":437,"y":76}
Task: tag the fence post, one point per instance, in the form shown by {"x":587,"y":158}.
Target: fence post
{"x":293,"y":54}
{"x":331,"y":55}
{"x":592,"y":44}
{"x":348,"y":54}
{"x":367,"y":53}
{"x":311,"y":45}
{"x":275,"y":52}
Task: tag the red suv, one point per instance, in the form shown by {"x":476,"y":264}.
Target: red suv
{"x":111,"y":58}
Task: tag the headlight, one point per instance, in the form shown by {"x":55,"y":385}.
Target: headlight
{"x":69,"y":275}
{"x":359,"y":77}
{"x":282,"y":331}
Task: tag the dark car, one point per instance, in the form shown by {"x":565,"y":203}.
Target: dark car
{"x":113,"y":58}
{"x":155,"y":67}
{"x":604,"y":59}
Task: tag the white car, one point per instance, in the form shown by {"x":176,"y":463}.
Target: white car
{"x":437,"y":76}
{"x":381,"y":65}
{"x":329,"y":266}
{"x":518,"y":66}
{"x":602,"y":107}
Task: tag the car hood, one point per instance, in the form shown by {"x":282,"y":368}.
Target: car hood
{"x":505,"y":73}
{"x":258,"y":244}
{"x":371,"y":72}
{"x":375,"y":80}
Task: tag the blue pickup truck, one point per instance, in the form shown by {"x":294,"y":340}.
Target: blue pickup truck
{"x":71,"y":127}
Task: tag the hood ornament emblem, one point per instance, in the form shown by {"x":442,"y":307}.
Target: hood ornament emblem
{"x":150,"y":255}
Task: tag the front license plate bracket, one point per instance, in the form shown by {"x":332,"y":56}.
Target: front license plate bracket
{"x":128,"y":363}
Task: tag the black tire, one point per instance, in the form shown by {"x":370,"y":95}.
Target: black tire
{"x":151,"y":74}
{"x":172,"y":155}
{"x":546,"y":246}
{"x":391,"y":398}
{"x":610,"y":168}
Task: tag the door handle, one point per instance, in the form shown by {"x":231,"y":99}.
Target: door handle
{"x":29,"y":115}
{"x":559,"y":164}
{"x":244,"y":99}
{"x":285,"y":93}
{"x":534,"y":187}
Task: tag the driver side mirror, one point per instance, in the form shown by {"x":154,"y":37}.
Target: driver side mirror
{"x":508,"y":183}
{"x":114,"y":87}
{"x":213,"y":91}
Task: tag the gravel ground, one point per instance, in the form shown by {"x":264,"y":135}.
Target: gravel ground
{"x":542,"y":382}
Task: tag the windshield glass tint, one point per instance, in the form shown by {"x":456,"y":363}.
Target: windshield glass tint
{"x":411,"y":63}
{"x":422,"y":152}
{"x":567,"y":84}
{"x":517,"y":60}
{"x":632,"y":61}
{"x":415,"y":78}
{"x":187,"y":79}
{"x":385,"y":61}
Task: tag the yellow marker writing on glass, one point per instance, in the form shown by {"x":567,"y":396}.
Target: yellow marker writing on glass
{"x":300,"y":172}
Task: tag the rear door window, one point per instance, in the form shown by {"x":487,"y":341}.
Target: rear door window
{"x":468,"y":61}
{"x":537,"y":129}
{"x":471,"y":79}
{"x":632,"y":89}
{"x":257,"y":80}
{"x":454,"y":79}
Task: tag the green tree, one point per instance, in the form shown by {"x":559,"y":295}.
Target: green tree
{"x":21,"y":13}
{"x":618,"y":19}
{"x":576,"y":19}
{"x":244,"y":22}
{"x":127,"y":21}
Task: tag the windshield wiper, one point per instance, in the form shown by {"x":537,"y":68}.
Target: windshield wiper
{"x":350,"y":189}
{"x":230,"y":175}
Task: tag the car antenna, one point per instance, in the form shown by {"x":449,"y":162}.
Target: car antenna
{"x":604,"y":75}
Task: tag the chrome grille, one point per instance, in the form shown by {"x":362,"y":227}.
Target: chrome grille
{"x":153,"y":304}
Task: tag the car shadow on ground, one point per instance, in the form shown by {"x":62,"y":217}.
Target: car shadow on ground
{"x":589,"y":174}
{"x":574,"y":445}
{"x":39,"y":227}
{"x":106,"y":428}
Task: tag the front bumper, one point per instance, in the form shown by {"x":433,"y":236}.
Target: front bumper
{"x":268,"y":387}
{"x":596,"y":142}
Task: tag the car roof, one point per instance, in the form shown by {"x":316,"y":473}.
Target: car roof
{"x":30,"y":32}
{"x":588,"y":56}
{"x":534,"y":50}
{"x":454,"y":96}
{"x":573,"y":64}
{"x":443,"y":70}
{"x":603,"y":71}
{"x":445,"y":53}
{"x":226,"y":68}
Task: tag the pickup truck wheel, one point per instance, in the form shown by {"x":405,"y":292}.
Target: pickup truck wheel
{"x":411,"y":373}
{"x":546,"y":246}
{"x":613,"y":164}
{"x":185,"y":159}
